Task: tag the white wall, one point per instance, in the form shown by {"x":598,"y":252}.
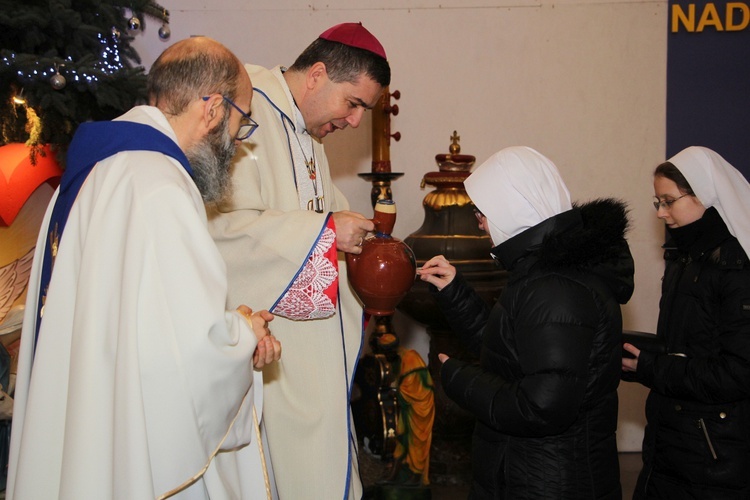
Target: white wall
{"x":582,"y":81}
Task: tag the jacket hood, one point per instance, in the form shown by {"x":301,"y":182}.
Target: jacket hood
{"x":589,"y":237}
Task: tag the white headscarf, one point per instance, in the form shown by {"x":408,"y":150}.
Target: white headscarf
{"x":517,"y":188}
{"x":718,"y":184}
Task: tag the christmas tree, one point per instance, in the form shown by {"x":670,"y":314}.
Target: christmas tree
{"x":65,"y":62}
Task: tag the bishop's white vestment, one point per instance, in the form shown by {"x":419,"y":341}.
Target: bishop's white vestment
{"x":265,"y":237}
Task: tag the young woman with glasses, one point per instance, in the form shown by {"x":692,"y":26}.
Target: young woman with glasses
{"x":697,"y":439}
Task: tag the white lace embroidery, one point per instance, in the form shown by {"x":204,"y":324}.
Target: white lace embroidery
{"x":305,"y":298}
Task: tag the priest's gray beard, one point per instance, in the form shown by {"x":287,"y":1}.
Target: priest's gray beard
{"x":211,"y":160}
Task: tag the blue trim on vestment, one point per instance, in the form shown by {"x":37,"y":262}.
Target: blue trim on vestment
{"x":284,"y":116}
{"x":350,"y":386}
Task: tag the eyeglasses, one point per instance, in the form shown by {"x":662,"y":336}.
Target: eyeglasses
{"x":479,"y":215}
{"x":247,"y":124}
{"x":667,"y":204}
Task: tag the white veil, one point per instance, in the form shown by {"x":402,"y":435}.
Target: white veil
{"x":718,"y":184}
{"x":517,"y":188}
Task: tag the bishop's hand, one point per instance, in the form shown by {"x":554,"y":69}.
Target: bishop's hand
{"x":351,"y":230}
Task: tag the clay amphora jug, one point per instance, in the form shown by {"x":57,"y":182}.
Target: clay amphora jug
{"x":385,"y":270}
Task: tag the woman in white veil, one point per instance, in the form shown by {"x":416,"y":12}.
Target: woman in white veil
{"x":697,"y":439}
{"x":545,"y":391}
{"x":517,"y":188}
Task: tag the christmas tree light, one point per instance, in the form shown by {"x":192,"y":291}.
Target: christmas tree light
{"x":71,"y":62}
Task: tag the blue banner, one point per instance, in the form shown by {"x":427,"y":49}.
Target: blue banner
{"x":708,"y":78}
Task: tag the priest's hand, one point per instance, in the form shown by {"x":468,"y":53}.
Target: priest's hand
{"x":267,"y":351}
{"x":351,"y":230}
{"x":269,"y":347}
{"x":437,"y":271}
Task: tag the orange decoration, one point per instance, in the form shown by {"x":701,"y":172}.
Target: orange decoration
{"x":19,"y":177}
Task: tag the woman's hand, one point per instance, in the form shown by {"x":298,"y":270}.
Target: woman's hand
{"x":437,"y":271}
{"x":630,"y":364}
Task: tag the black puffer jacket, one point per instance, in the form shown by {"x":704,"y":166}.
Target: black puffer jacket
{"x":545,"y":390}
{"x":697,"y":442}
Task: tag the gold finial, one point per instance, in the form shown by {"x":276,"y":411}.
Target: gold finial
{"x":455,"y":148}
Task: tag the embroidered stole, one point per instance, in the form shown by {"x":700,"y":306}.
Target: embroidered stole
{"x":92,"y":143}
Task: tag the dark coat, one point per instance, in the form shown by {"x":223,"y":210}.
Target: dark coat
{"x":545,"y":390}
{"x":697,"y":440}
